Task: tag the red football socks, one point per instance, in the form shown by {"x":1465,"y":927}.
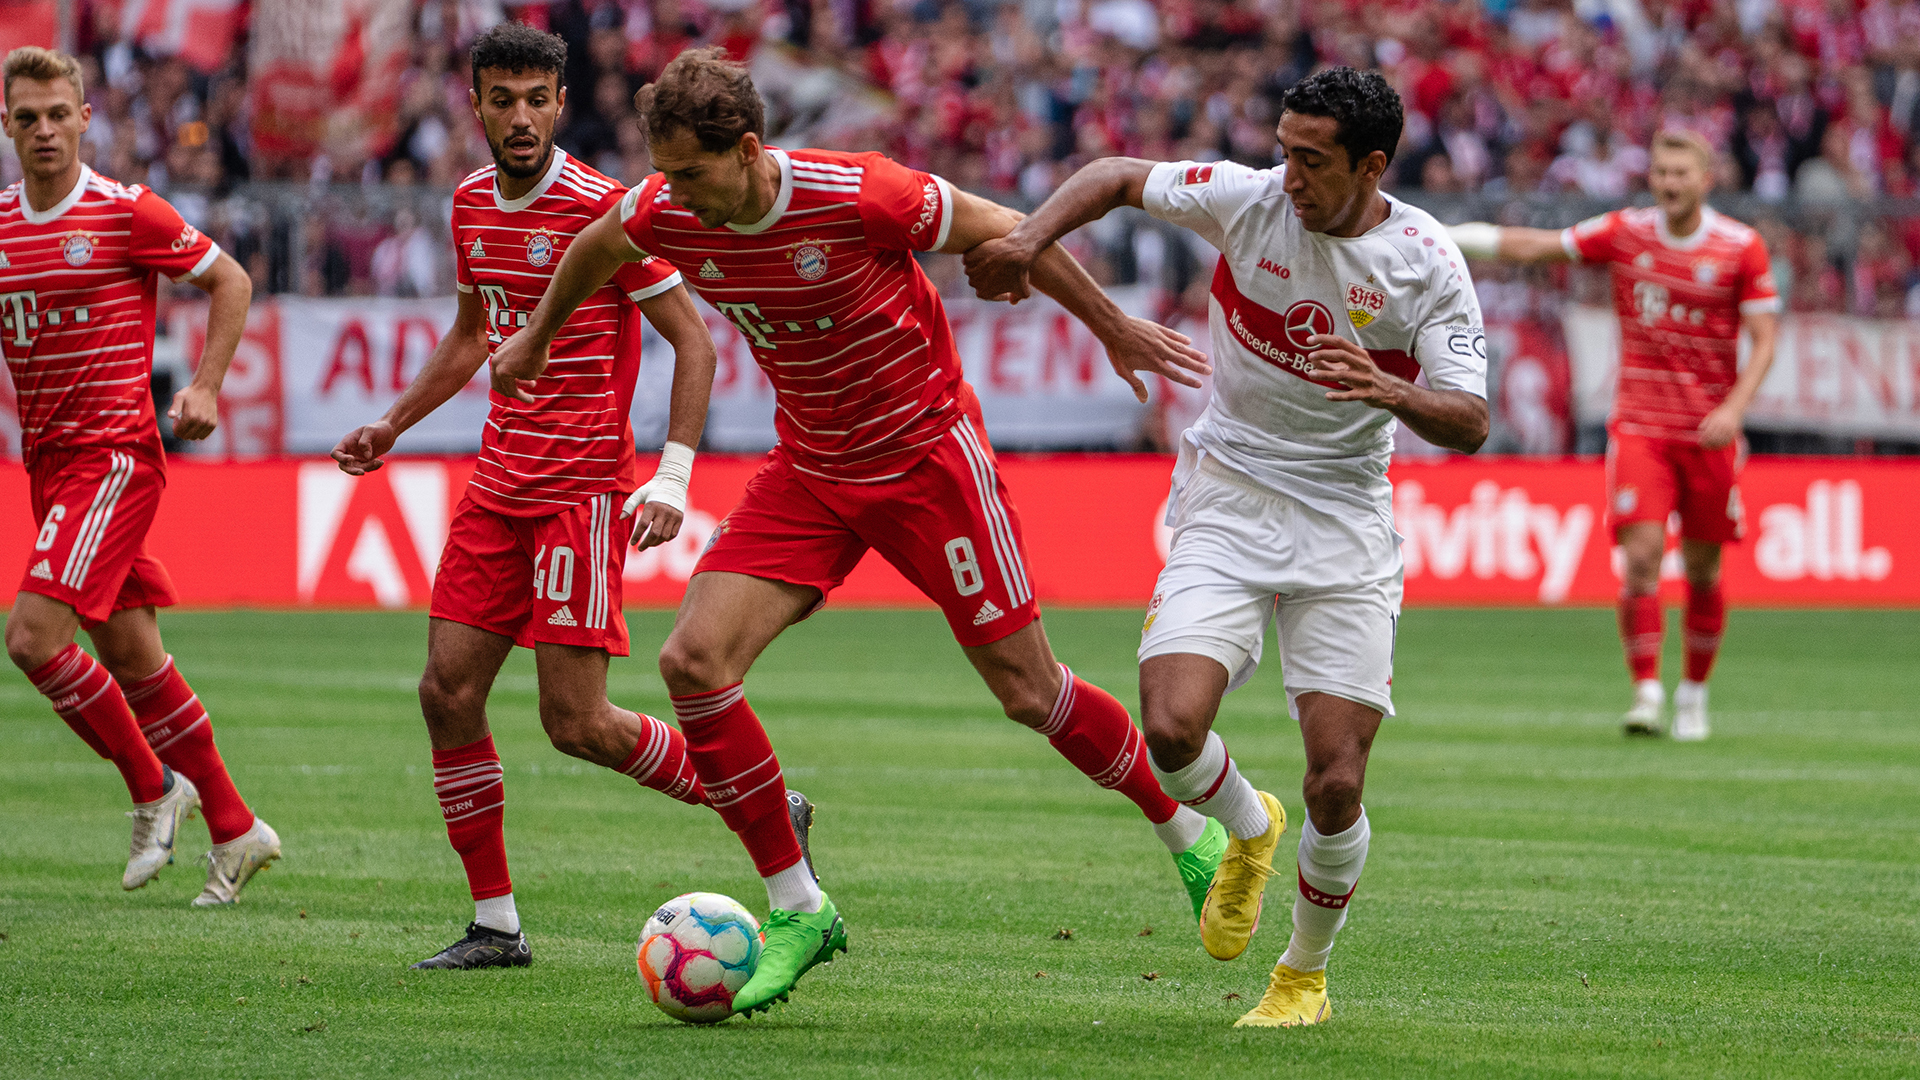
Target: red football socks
{"x":736,"y":763}
{"x":87,"y":698}
{"x":473,"y":797}
{"x":1093,"y":731}
{"x":659,"y":761}
{"x":1640,"y":631}
{"x":1705,"y":621}
{"x":176,"y":725}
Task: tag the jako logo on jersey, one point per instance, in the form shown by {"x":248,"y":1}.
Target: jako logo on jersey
{"x":188,"y":235}
{"x":539,"y":247}
{"x":810,"y":262}
{"x":929,"y":209}
{"x":1197,"y":174}
{"x":1364,"y":304}
{"x":1276,"y":269}
{"x":78,"y":248}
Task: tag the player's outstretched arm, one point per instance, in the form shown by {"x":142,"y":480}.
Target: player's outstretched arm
{"x":662,"y":501}
{"x":451,"y":367}
{"x":1454,"y":419}
{"x":1479,"y":240}
{"x":590,"y":262}
{"x":195,"y":411}
{"x":1133,"y":345}
{"x":998,"y":267}
{"x":1723,"y":425}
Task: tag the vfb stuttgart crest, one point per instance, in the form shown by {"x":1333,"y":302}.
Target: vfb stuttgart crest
{"x":539,"y":247}
{"x":1364,"y":304}
{"x":78,"y":248}
{"x":810,"y":262}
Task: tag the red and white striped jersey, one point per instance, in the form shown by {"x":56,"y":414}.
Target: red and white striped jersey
{"x":1680,"y":300}
{"x":574,"y":441}
{"x":77,"y":308}
{"x":850,"y":332}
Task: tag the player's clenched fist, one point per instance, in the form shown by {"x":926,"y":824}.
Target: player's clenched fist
{"x":195,"y":413}
{"x":998,"y":269}
{"x":360,"y":452}
{"x":516,"y":364}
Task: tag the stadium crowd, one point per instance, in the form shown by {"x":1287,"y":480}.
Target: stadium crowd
{"x":1811,"y":104}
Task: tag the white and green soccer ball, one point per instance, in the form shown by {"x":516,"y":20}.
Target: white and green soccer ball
{"x":695,"y":953}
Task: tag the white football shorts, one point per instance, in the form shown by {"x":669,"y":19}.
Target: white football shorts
{"x":1242,"y":554}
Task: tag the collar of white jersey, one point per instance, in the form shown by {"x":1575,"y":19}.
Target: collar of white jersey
{"x":553,"y":173}
{"x":1690,"y":241}
{"x":779,"y":202}
{"x":38,"y":217}
{"x":1393,"y":207}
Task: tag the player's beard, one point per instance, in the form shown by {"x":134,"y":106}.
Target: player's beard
{"x":501,"y":160}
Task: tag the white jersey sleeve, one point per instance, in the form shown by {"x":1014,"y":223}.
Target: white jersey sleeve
{"x":1450,"y":343}
{"x":1200,"y":195}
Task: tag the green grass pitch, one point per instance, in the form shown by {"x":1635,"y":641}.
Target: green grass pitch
{"x":1543,"y":898}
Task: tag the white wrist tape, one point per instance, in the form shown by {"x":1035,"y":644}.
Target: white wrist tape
{"x":669,"y":484}
{"x":1476,"y":239}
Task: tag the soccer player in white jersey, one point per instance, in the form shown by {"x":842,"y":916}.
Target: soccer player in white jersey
{"x":1330,"y":302}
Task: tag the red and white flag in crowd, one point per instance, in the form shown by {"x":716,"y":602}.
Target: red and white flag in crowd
{"x":201,"y":32}
{"x":27,"y":22}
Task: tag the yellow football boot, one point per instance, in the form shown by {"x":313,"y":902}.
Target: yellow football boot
{"x":1232,"y":910}
{"x":1293,"y":999}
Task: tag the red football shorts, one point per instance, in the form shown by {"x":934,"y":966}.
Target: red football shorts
{"x":946,"y":525}
{"x":1648,"y":479}
{"x":93,"y":506}
{"x":554,"y":578}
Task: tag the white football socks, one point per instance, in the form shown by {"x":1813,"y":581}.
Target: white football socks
{"x":497,"y":913}
{"x":1330,"y":867}
{"x":794,"y":889}
{"x":1182,"y":830}
{"x":1212,"y":785}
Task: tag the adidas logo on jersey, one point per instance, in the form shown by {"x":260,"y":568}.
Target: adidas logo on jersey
{"x":563,"y":617}
{"x":988,"y":613}
{"x":477,"y":251}
{"x":709,"y":271}
{"x":42,"y":570}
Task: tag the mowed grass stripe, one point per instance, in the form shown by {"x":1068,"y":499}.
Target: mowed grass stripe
{"x":1542,"y":898}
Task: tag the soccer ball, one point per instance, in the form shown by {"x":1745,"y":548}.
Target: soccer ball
{"x":696,"y":952}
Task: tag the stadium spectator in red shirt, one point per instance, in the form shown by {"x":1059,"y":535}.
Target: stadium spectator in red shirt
{"x":79,"y":255}
{"x":534,"y":553}
{"x":1686,"y":282}
{"x":810,"y":253}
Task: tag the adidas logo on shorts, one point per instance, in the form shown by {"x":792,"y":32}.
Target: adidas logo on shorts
{"x":42,"y":570}
{"x":563,"y":617}
{"x":477,"y":251}
{"x":709,"y":271}
{"x":988,"y":613}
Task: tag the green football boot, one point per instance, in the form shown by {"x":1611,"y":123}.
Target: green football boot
{"x":1198,"y":863}
{"x":795,"y":942}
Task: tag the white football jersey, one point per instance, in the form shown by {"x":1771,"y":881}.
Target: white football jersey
{"x":1399,"y":290}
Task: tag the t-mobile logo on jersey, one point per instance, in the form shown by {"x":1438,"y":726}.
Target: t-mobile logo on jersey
{"x":18,"y":313}
{"x":498,"y":313}
{"x":752,"y":323}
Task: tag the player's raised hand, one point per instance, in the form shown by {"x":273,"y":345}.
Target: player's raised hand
{"x":1144,"y":345}
{"x":1341,"y":361}
{"x":997,"y":270}
{"x":360,"y":452}
{"x":195,"y":412}
{"x":516,"y":364}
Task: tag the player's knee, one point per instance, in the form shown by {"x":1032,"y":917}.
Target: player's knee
{"x":1173,"y":741}
{"x":445,"y":701}
{"x":1332,"y":790}
{"x":690,"y":666}
{"x":30,"y":646}
{"x":1028,"y":706}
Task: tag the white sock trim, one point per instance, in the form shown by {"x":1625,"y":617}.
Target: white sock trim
{"x":497,"y":913}
{"x":794,"y":889}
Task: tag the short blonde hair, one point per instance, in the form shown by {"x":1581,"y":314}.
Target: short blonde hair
{"x":1689,"y":141}
{"x":43,"y":65}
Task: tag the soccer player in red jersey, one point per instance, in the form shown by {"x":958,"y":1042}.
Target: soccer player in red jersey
{"x":810,"y":253}
{"x":78,"y":258}
{"x":535,"y":550}
{"x":1686,"y":282}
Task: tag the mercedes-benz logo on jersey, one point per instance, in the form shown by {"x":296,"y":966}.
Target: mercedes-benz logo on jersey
{"x":78,"y":248}
{"x":539,"y":247}
{"x":1305,"y":319}
{"x":810,"y":262}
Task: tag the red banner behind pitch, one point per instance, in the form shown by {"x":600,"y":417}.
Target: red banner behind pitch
{"x":1841,"y":531}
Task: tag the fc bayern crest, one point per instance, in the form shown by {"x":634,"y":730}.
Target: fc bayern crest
{"x":539,"y":249}
{"x":78,"y":248}
{"x":810,"y":263}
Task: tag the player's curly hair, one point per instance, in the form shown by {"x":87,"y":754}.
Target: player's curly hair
{"x":1367,"y":110}
{"x":516,"y":47}
{"x":704,"y":92}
